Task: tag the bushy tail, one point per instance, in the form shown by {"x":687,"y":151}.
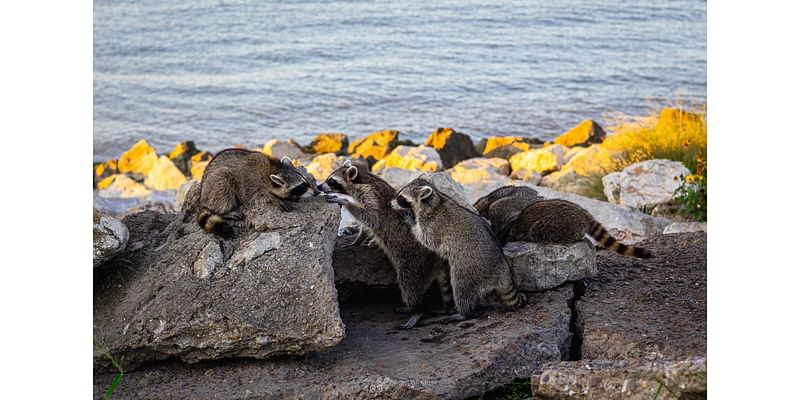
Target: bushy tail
{"x":213,"y":223}
{"x":512,"y":298}
{"x":606,"y":240}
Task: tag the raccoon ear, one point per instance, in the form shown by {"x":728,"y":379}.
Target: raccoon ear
{"x":424,"y":192}
{"x":352,"y":172}
{"x":347,"y":163}
{"x":278,"y":180}
{"x":287,"y":161}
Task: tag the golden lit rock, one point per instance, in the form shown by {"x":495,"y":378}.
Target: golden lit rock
{"x":328,"y":143}
{"x":322,"y":165}
{"x":376,"y":145}
{"x":420,"y":158}
{"x":495,"y":142}
{"x":283,"y":148}
{"x":479,"y":169}
{"x":164,"y":175}
{"x":452,"y":146}
{"x":121,"y":185}
{"x":182,"y":155}
{"x":543,"y":160}
{"x":583,"y":134}
{"x":198,"y":168}
{"x":140,"y":158}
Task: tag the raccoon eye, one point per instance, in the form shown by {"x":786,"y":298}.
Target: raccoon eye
{"x":335,"y":185}
{"x":402,"y":202}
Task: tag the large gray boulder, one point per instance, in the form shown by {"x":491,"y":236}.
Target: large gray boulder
{"x":540,"y":267}
{"x":377,"y":361}
{"x":645,"y":184}
{"x":185,"y":293}
{"x":627,"y":379}
{"x":109,"y":238}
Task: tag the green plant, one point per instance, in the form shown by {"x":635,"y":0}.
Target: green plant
{"x":691,"y":196}
{"x":100,"y":348}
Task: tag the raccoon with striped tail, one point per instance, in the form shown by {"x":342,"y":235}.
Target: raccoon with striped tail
{"x":558,"y":221}
{"x":478,"y":266}
{"x":237,"y":178}
{"x":367,"y":197}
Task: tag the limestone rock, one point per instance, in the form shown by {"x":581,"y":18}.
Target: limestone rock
{"x":182,"y":191}
{"x":361,"y":265}
{"x":494,"y":144}
{"x":182,"y":156}
{"x":198,"y":169}
{"x":542,"y":161}
{"x":645,"y":184}
{"x":398,"y":177}
{"x":444,"y":183}
{"x":420,"y":158}
{"x":375,"y":146}
{"x":581,"y":173}
{"x":139,"y":159}
{"x":540,"y":267}
{"x":164,"y":175}
{"x":479,"y":169}
{"x":628,"y":379}
{"x":271,"y":294}
{"x":452,"y":146}
{"x":109,"y":202}
{"x":526,"y":176}
{"x":103,"y":170}
{"x":109,"y":238}
{"x":376,"y":361}
{"x":504,"y":152}
{"x":586,"y":133}
{"x":322,"y":165}
{"x":283,"y":148}
{"x":121,"y":185}
{"x":685,"y":227}
{"x":328,"y":143}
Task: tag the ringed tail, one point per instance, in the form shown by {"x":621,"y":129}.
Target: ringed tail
{"x":602,"y":236}
{"x":512,"y":298}
{"x":213,"y":223}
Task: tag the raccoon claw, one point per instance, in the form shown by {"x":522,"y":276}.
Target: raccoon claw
{"x":336,"y":200}
{"x":412,"y":322}
{"x":285,"y":206}
{"x":234,"y":216}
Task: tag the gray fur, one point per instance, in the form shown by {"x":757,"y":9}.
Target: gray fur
{"x":503,"y":205}
{"x":368,"y":201}
{"x":243,"y":178}
{"x":478,"y":266}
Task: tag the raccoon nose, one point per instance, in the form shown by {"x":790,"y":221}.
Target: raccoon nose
{"x":320,"y":188}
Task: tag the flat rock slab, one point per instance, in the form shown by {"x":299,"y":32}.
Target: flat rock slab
{"x":536,"y":267}
{"x":650,"y":309}
{"x":378,"y":361}
{"x":630,"y":379}
{"x":181,"y":292}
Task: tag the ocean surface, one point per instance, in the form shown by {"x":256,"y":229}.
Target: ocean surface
{"x":226,"y":72}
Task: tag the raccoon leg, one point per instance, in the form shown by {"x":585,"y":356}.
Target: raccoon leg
{"x":443,"y":279}
{"x":233,"y":215}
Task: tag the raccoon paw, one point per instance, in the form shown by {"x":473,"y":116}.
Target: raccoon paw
{"x":412,"y":322}
{"x":336,"y":200}
{"x":285,"y":206}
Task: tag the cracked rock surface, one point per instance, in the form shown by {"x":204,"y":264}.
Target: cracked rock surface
{"x":179,"y":292}
{"x":376,"y":360}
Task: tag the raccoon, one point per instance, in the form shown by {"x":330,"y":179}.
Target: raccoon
{"x":367,"y":197}
{"x":504,"y":204}
{"x":246,"y":178}
{"x":560,"y":221}
{"x":478,"y":266}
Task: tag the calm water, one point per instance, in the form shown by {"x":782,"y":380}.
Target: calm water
{"x":226,"y":72}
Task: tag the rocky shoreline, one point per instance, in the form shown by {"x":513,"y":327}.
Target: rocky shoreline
{"x":297,"y":311}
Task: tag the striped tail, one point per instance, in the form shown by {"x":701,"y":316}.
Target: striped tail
{"x":213,"y":223}
{"x":606,"y":240}
{"x":512,"y":298}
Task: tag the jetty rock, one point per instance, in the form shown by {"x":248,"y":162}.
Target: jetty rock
{"x":374,"y":146}
{"x":584,"y":134}
{"x":452,"y":146}
{"x":110,"y":237}
{"x":328,"y":143}
{"x":184,"y":293}
{"x":644,"y":184}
